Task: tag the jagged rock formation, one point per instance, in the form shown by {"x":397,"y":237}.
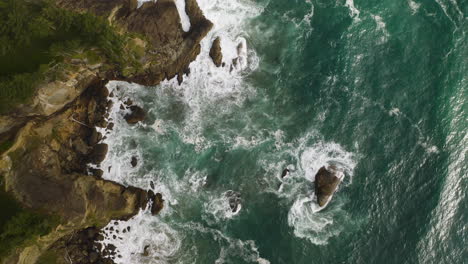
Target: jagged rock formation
{"x":136,"y":115}
{"x":216,"y":53}
{"x":326,"y":183}
{"x":168,"y":50}
{"x":55,"y":136}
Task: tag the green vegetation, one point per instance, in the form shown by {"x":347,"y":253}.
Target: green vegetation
{"x":49,"y":257}
{"x":4,"y":146}
{"x":36,"y":38}
{"x":18,"y":225}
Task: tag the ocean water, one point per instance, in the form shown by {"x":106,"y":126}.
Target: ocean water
{"x":378,"y":88}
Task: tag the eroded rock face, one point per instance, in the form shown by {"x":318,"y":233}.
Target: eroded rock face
{"x":80,"y":247}
{"x":46,"y":169}
{"x":234,"y":199}
{"x":158,"y":202}
{"x":136,"y":115}
{"x":216,"y":53}
{"x":326,"y":183}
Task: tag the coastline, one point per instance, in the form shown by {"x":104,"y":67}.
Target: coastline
{"x":45,"y":167}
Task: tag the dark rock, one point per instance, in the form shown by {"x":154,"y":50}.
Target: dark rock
{"x":158,"y":202}
{"x":285,"y":173}
{"x":80,"y":146}
{"x":128,"y":102}
{"x":93,"y":257}
{"x":326,"y":183}
{"x":234,"y":199}
{"x":216,"y":53}
{"x":110,"y":126}
{"x":146,"y":251}
{"x":180,"y":78}
{"x":152,"y":185}
{"x":136,"y":115}
{"x":134,"y":161}
{"x":94,"y":138}
{"x":99,"y":153}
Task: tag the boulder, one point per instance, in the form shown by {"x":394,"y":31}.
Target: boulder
{"x":136,"y":115}
{"x":158,"y":202}
{"x":134,"y":161}
{"x":99,"y":153}
{"x":216,"y":53}
{"x":234,"y":199}
{"x":326,"y":183}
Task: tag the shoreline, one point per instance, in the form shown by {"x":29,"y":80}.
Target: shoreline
{"x":46,"y":166}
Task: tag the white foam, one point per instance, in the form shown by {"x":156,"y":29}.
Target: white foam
{"x":315,"y":227}
{"x":184,"y":18}
{"x":162,"y":243}
{"x":218,"y":209}
{"x":414,"y":6}
{"x":354,"y":12}
{"x":381,"y":26}
{"x":394,"y":112}
{"x":324,"y":154}
{"x":230,"y":247}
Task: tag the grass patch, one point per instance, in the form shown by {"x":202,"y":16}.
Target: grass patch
{"x":36,"y":37}
{"x":19,"y":225}
{"x":48,"y":257}
{"x":5,"y":145}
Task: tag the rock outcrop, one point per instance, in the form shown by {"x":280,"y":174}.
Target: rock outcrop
{"x":136,"y":115}
{"x":216,"y":53}
{"x":326,"y":183}
{"x":234,"y":199}
{"x":55,"y":136}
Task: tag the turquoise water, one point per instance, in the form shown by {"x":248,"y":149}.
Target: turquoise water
{"x":377,"y":87}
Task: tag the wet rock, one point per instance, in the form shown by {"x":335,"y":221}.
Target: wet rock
{"x":326,"y":183}
{"x":134,"y":161}
{"x":96,"y":172}
{"x":136,"y":115}
{"x":99,"y":153}
{"x":128,"y":102}
{"x":146,"y":251}
{"x":285,"y":173}
{"x":158,"y":202}
{"x":94,"y":138}
{"x":234,"y":199}
{"x":110,"y":126}
{"x":216,"y":53}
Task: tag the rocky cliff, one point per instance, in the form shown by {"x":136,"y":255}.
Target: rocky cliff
{"x":54,"y":137}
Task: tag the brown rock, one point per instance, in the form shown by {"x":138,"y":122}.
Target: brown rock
{"x":326,"y":183}
{"x":158,"y":202}
{"x":99,"y":153}
{"x":216,"y":53}
{"x":134,"y":161}
{"x":94,"y":138}
{"x":136,"y":115}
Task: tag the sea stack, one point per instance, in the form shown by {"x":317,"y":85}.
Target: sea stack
{"x":326,"y":183}
{"x":215,"y":52}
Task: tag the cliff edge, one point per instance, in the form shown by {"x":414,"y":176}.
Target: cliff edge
{"x":53,"y":137}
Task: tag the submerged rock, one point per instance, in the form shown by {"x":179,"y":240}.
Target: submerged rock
{"x":136,"y":115}
{"x":234,"y":199}
{"x":216,"y":53}
{"x":134,"y":161}
{"x":326,"y":183}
